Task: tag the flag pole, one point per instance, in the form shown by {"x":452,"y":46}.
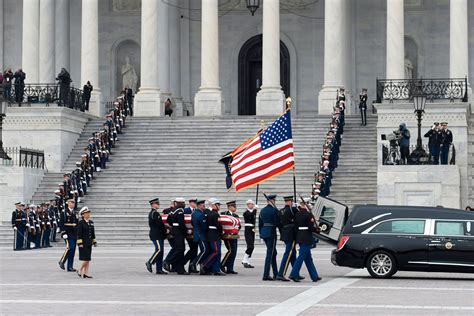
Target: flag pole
{"x":288,"y":107}
{"x":262,"y":126}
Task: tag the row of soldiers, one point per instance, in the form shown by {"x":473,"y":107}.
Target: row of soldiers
{"x":331,"y":149}
{"x":295,"y":222}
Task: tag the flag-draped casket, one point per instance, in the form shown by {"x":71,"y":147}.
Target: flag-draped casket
{"x":230,"y":225}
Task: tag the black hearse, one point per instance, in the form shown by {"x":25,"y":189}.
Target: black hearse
{"x":385,"y":239}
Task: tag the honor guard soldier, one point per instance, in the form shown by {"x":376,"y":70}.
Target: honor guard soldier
{"x":434,"y":142}
{"x":267,"y":224}
{"x":227,"y":264}
{"x":68,"y":222}
{"x":305,"y":225}
{"x":198,"y":220}
{"x":288,"y":236}
{"x":157,"y":236}
{"x":169,"y":211}
{"x":446,"y":141}
{"x":31,"y":237}
{"x":85,"y":241}
{"x":250,"y":216}
{"x":19,"y":221}
{"x":363,"y":106}
{"x":38,"y":227}
{"x":214,"y":238}
{"x":193,"y":246}
{"x":53,"y":211}
{"x":179,"y":232}
{"x":45,"y":225}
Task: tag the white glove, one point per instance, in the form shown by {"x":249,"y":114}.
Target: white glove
{"x":65,"y":236}
{"x":14,"y":228}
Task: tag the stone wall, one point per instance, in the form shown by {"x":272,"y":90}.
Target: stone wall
{"x":54,"y":130}
{"x":17,"y":184}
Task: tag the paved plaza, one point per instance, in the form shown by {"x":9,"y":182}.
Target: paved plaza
{"x":31,"y":283}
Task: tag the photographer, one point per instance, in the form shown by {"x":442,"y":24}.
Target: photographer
{"x":404,"y":142}
{"x":64,"y":79}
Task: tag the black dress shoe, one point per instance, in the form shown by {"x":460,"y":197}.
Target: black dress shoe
{"x":318,"y":279}
{"x":295,"y":279}
{"x":219,"y":273}
{"x":71,"y":270}
{"x":301,"y":277}
{"x":87,"y":276}
{"x":183,"y":273}
{"x":167,"y":267}
{"x":232,"y":272}
{"x":161,"y":272}
{"x":248,"y":265}
{"x":61,"y":265}
{"x":268,"y":278}
{"x":148,"y":267}
{"x":282,"y":278}
{"x":223,"y":269}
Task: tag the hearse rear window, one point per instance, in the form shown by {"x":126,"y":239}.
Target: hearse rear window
{"x":400,"y":227}
{"x":453,"y":228}
{"x":328,"y":214}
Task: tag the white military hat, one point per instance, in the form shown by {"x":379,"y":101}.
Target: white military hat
{"x":83,"y":210}
{"x":214,"y":201}
{"x":180,"y":199}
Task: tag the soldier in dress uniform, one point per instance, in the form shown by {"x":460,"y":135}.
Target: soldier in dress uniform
{"x":363,"y":106}
{"x":169,"y":211}
{"x":67,"y":224}
{"x":53,"y":212}
{"x":214,"y":238}
{"x":305,"y":225}
{"x":434,"y":142}
{"x":45,"y":223}
{"x":179,"y":232}
{"x":193,"y":246}
{"x":288,"y":236}
{"x":227,"y":263}
{"x":157,"y":236}
{"x":85,"y":241}
{"x":31,"y":237}
{"x":38,"y":232}
{"x":19,"y":221}
{"x":268,"y":223}
{"x":446,"y":141}
{"x":198,"y":220}
{"x":250,"y":216}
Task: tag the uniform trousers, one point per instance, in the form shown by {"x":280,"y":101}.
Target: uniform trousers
{"x":192,"y":251}
{"x":229,"y":258}
{"x":18,"y":238}
{"x":444,"y":154}
{"x":177,"y":258}
{"x":288,"y":257}
{"x":69,"y":252}
{"x":305,"y":257}
{"x":203,"y":252}
{"x":213,"y":261}
{"x":270,"y":257}
{"x":249,"y":240}
{"x":157,"y":256}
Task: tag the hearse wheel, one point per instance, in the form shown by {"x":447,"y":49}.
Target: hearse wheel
{"x":381,"y":264}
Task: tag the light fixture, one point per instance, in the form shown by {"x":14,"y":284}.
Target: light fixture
{"x":253,"y":5}
{"x":419,"y":101}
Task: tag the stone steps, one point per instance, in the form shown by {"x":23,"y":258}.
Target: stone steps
{"x":178,"y":157}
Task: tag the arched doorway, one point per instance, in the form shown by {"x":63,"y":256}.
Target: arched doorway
{"x":250,"y":73}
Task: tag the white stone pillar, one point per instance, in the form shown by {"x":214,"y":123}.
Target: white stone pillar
{"x":147,"y":100}
{"x":270,"y":99}
{"x":62,"y":49}
{"x":164,"y":49}
{"x":395,"y":68}
{"x":47,"y":71}
{"x":208,"y":100}
{"x":175,"y":57}
{"x":90,"y":54}
{"x":30,"y":40}
{"x":335,"y":61}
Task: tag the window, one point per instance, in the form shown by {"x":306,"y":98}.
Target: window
{"x":400,"y":227}
{"x":328,"y":214}
{"x":453,"y":228}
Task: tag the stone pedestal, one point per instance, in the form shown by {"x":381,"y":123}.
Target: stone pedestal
{"x":208,"y":102}
{"x":54,"y":130}
{"x":17,"y":184}
{"x":327,"y":99}
{"x":270,"y":102}
{"x":178,"y":107}
{"x":96,"y":104}
{"x":148,"y":103}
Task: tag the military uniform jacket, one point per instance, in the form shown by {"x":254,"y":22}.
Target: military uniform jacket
{"x":157,"y":227}
{"x":44,"y":220}
{"x":178,"y":227}
{"x":250,"y":217}
{"x":268,"y":221}
{"x":68,"y":222}
{"x":85,"y":233}
{"x":198,"y":219}
{"x":446,"y":137}
{"x":305,"y":225}
{"x":287,"y":219}
{"x":363,"y":101}
{"x":434,"y":137}
{"x":214,"y":228}
{"x":19,"y":219}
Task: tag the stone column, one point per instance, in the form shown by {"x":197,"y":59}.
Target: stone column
{"x":395,"y":68}
{"x":147,"y":100}
{"x":335,"y":61}
{"x":270,"y":99}
{"x":175,"y":57}
{"x":47,"y":71}
{"x":164,"y":49}
{"x":62,"y":36}
{"x":208,"y":100}
{"x":90,"y":54}
{"x":30,"y":40}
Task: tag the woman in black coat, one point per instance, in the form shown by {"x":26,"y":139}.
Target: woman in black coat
{"x":85,"y":241}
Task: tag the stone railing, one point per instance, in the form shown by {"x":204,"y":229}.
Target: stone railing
{"x":434,"y":89}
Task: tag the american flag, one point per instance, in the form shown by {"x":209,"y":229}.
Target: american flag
{"x":264,"y":156}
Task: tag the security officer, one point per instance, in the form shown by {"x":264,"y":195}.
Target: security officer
{"x":198,"y":220}
{"x":157,"y":236}
{"x":288,"y":236}
{"x":179,"y":232}
{"x":67,"y":223}
{"x":268,"y":223}
{"x":250,"y":216}
{"x":363,"y":106}
{"x":227,"y":263}
{"x":19,"y":221}
{"x":434,"y":142}
{"x":193,"y":246}
{"x":305,"y":225}
{"x":214,"y":237}
{"x":446,"y":141}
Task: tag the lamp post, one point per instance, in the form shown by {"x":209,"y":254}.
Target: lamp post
{"x":419,"y":155}
{"x":253,"y":5}
{"x":3,"y":108}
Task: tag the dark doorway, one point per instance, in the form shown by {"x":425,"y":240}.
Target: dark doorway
{"x":250,"y":73}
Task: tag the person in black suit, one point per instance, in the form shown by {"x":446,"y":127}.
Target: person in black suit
{"x":363,"y":106}
{"x":86,"y":95}
{"x":85,"y":241}
{"x":20,"y":77}
{"x":157,"y":236}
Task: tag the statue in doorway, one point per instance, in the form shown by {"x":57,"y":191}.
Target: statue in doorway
{"x":408,"y":68}
{"x":129,"y":76}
